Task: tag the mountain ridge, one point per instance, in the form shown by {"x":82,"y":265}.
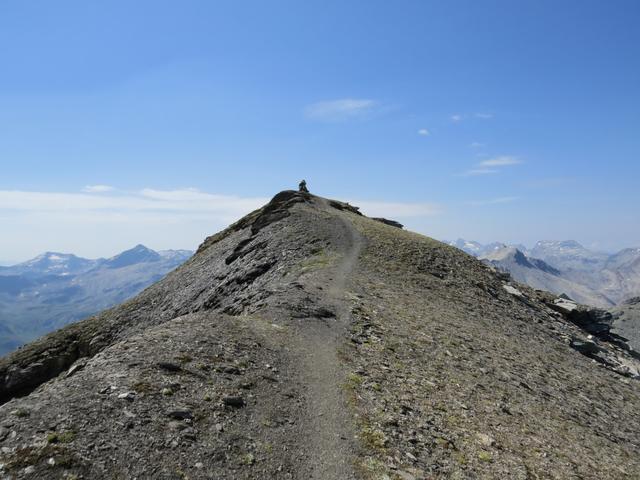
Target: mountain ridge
{"x":309,"y":341}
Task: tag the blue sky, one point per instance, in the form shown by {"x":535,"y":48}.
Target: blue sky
{"x":489,"y":120}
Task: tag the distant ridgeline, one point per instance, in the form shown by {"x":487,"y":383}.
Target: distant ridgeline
{"x":592,"y":278}
{"x":54,"y":289}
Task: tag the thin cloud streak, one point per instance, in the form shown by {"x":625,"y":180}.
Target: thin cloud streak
{"x":475,"y":172}
{"x":492,"y":165}
{"x":147,"y":200}
{"x":158,"y":203}
{"x":501,"y":161}
{"x":100,"y":225}
{"x":341,"y":109}
{"x":458,"y":117}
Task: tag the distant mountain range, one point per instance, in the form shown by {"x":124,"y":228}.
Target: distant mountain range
{"x":54,"y":289}
{"x":589,"y":277}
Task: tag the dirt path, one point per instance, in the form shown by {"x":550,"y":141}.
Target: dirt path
{"x":331,"y":442}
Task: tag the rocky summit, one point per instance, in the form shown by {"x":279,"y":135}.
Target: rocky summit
{"x":307,"y":341}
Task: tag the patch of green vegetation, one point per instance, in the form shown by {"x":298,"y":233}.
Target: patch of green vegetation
{"x":143,"y":387}
{"x":444,"y":443}
{"x":373,"y":438}
{"x":453,"y":419}
{"x":181,"y":474}
{"x":24,"y":457}
{"x":22,"y":413}
{"x":62,"y":437}
{"x":485,"y":456}
{"x":319,"y":259}
{"x":184,"y":358}
{"x":354,"y":380}
{"x":460,"y":458}
{"x":247,"y":459}
{"x":372,"y":468}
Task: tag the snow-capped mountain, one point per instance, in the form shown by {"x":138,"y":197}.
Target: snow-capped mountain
{"x":469,"y":246}
{"x":477,"y":249}
{"x":568,"y":255}
{"x":53,"y":289}
{"x":51,"y":263}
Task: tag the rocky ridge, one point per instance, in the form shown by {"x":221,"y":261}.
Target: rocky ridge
{"x":308,"y":341}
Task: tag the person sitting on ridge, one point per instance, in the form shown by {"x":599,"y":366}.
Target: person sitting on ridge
{"x":302,"y":187}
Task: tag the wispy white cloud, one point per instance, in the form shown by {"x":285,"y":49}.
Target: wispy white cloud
{"x":424,"y":132}
{"x":501,"y":161}
{"x":101,"y":225}
{"x":341,"y":109}
{"x":492,"y":201}
{"x":172,"y":202}
{"x":133,"y":203}
{"x":491,"y":165}
{"x":475,"y":172}
{"x":458,"y":117}
{"x":477,"y":145}
{"x":97,"y":188}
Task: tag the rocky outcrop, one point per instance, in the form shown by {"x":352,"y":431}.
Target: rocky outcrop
{"x":593,"y":320}
{"x":391,"y":223}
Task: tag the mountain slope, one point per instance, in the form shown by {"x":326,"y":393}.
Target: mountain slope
{"x":538,"y":274}
{"x":620,"y":276}
{"x":308,"y":341}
